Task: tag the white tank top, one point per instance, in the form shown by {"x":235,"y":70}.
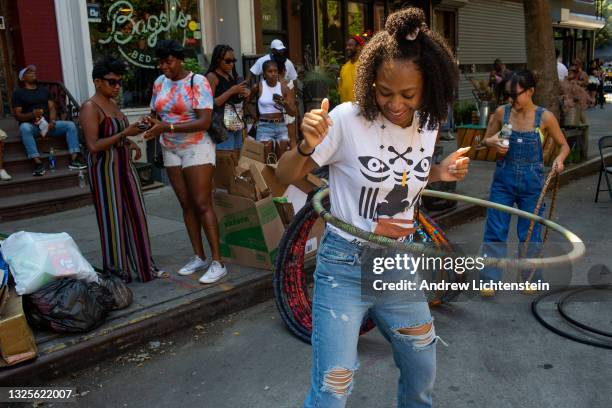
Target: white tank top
{"x":265,"y":102}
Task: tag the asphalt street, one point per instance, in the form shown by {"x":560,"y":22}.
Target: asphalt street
{"x":498,"y":355}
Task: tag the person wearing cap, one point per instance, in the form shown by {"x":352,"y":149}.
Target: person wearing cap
{"x":348,"y":72}
{"x":278,"y":53}
{"x":35,"y":111}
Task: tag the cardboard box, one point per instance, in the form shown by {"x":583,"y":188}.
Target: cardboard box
{"x":16,"y":339}
{"x":286,"y":212}
{"x":297,"y":193}
{"x":254,"y":150}
{"x":249,"y":183}
{"x":250,"y":231}
{"x":224,"y":169}
{"x":313,"y":242}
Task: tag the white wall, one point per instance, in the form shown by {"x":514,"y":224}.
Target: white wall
{"x":75,"y":50}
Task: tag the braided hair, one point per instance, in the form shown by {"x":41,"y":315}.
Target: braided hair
{"x":406,"y":37}
{"x":217,"y":55}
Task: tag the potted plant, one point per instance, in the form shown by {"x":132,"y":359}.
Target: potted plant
{"x":320,"y":79}
{"x":574,"y":99}
{"x":462,"y":112}
{"x":192,"y":64}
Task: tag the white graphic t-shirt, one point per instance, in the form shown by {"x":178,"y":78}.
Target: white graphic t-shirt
{"x":377,"y":170}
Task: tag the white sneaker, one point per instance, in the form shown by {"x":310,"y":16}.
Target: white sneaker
{"x":4,"y":176}
{"x":195,"y":264}
{"x":214,"y":273}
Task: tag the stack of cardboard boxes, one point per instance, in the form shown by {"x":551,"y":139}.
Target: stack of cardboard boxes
{"x":16,"y":339}
{"x":252,"y":218}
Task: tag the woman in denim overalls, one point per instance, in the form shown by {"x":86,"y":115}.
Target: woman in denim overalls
{"x":519,"y":173}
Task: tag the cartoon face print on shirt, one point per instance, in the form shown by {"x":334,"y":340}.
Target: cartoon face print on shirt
{"x":405,"y":169}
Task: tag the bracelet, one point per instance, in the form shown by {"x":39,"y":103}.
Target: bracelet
{"x":302,"y":153}
{"x":171,"y":127}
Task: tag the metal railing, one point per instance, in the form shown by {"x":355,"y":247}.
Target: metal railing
{"x":66,"y":105}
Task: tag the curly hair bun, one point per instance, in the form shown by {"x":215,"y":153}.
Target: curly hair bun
{"x":405,"y":25}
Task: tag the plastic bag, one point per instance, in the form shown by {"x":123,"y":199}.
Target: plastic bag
{"x":37,"y":259}
{"x":68,"y":305}
{"x":120,"y":292}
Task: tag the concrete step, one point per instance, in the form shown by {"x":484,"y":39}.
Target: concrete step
{"x":24,"y":182}
{"x":43,"y":202}
{"x":19,"y":163}
{"x":14,"y":146}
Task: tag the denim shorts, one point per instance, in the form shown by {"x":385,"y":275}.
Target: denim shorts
{"x":191,"y":155}
{"x":270,"y":131}
{"x":233,"y":142}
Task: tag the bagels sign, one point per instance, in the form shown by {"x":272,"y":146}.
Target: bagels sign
{"x":137,"y":37}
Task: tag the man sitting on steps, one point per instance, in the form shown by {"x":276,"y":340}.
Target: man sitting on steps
{"x":37,"y":117}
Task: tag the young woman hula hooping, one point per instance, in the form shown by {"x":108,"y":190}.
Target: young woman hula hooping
{"x":379,"y":151}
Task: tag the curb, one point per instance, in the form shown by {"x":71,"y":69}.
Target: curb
{"x":206,"y":309}
{"x":85,"y":354}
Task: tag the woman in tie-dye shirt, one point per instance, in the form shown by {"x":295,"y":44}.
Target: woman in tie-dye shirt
{"x":182,"y":101}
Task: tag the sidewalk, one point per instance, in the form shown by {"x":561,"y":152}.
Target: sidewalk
{"x":171,"y":304}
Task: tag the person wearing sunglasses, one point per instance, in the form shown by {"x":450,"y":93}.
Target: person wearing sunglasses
{"x":36,"y":113}
{"x":115,"y":186}
{"x":519,"y":173}
{"x":182,"y":106}
{"x":229,"y":94}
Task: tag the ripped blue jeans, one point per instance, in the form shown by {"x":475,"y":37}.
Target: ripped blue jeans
{"x":338,"y":310}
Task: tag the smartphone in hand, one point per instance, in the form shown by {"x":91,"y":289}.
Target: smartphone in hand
{"x":278,"y":98}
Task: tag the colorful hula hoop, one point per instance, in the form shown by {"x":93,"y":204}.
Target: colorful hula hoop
{"x":293,"y":280}
{"x":577,"y":251}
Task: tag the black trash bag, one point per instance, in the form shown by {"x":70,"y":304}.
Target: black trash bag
{"x":122,"y":295}
{"x":68,"y":306}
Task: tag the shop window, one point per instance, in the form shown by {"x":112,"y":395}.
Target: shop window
{"x":335,"y":37}
{"x":130,"y":30}
{"x":356,"y":18}
{"x":272,"y":22}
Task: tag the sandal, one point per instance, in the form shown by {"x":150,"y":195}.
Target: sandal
{"x":159,"y":273}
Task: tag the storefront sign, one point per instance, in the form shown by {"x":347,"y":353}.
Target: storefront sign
{"x":93,"y":13}
{"x":137,"y":37}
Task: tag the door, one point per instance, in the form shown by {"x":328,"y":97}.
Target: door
{"x":8,"y":67}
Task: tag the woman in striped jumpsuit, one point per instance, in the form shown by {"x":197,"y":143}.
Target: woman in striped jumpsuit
{"x":126,"y":249}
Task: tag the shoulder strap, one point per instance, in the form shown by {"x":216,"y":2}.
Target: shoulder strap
{"x":193,"y":74}
{"x":507,"y":110}
{"x":99,"y":107}
{"x":538,"y":116}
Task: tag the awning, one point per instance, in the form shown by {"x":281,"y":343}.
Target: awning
{"x":568,"y":19}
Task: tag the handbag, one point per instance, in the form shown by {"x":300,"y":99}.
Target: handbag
{"x":158,"y":157}
{"x":216,"y":131}
{"x":233,"y":117}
